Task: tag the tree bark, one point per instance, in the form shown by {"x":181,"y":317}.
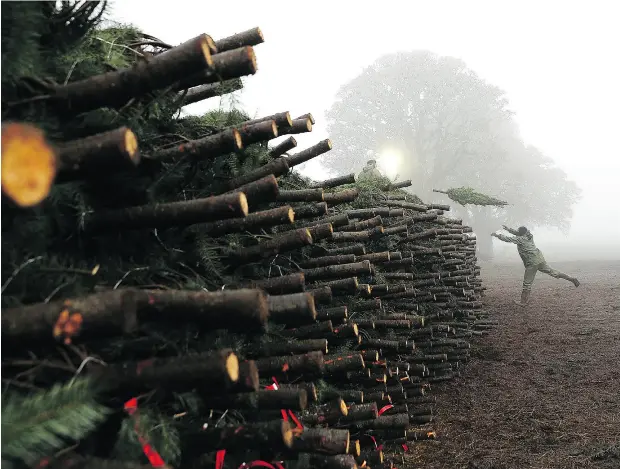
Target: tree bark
{"x":211,"y":90}
{"x":216,"y":371}
{"x":299,"y":126}
{"x":98,"y":155}
{"x":322,"y":231}
{"x":310,"y":363}
{"x":362,"y":225}
{"x":294,"y":308}
{"x":322,"y":295}
{"x":336,"y":314}
{"x":239,"y":310}
{"x":292,"y":283}
{"x":280,"y":243}
{"x":227,"y":65}
{"x":356,"y":249}
{"x":263,"y":190}
{"x":328,"y":260}
{"x":322,"y":441}
{"x":266,"y":218}
{"x":277,"y":168}
{"x":309,"y":153}
{"x":317,"y":330}
{"x":342,"y":286}
{"x":212,"y":146}
{"x":114,"y":89}
{"x":341,"y":197}
{"x":338,"y":271}
{"x":311,"y":211}
{"x":251,"y":37}
{"x":282,"y":147}
{"x":295,"y":346}
{"x":302,"y":195}
{"x":98,"y":315}
{"x":335,"y":182}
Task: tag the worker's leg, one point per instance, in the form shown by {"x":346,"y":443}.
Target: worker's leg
{"x":546,"y":269}
{"x":528,"y":280}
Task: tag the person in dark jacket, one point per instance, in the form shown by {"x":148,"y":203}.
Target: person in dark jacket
{"x":533,"y":260}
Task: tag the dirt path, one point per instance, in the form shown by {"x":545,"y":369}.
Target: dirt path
{"x":543,"y":390}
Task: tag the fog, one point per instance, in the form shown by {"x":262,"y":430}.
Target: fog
{"x":556,"y":61}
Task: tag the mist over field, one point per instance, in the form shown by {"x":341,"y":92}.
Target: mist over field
{"x":549,"y":67}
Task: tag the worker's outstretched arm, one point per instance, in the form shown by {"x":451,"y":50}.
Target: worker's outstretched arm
{"x":510,"y":230}
{"x":506,"y":239}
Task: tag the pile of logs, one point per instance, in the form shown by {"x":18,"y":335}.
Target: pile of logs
{"x":347,"y":316}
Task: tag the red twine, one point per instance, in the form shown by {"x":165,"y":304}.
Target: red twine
{"x":131,"y":407}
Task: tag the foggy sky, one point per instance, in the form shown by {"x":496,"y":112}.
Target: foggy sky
{"x":556,"y":60}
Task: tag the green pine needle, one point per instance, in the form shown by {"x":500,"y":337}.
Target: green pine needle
{"x":38,"y":425}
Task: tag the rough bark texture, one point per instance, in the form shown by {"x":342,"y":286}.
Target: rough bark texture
{"x":302,"y":195}
{"x":292,"y":283}
{"x":335,"y":182}
{"x":98,"y":155}
{"x":277,"y":168}
{"x":294,"y":308}
{"x":251,"y":37}
{"x":211,"y":90}
{"x":283,"y":147}
{"x":226,"y":65}
{"x":306,"y":155}
{"x":280,"y":243}
{"x":114,"y":89}
{"x":226,"y":141}
{"x":341,"y":197}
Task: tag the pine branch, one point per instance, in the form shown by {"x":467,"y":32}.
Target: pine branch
{"x":35,"y":426}
{"x":466,"y":195}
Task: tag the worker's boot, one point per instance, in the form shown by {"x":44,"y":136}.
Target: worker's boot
{"x":573,"y":280}
{"x":525,"y":296}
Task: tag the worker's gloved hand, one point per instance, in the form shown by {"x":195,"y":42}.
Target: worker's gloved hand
{"x":505,"y":227}
{"x":493,"y":234}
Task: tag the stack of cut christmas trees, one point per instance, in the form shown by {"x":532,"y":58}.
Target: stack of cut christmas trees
{"x":260,"y":319}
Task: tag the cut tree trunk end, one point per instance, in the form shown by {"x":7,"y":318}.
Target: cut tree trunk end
{"x":295,"y":308}
{"x":210,"y":370}
{"x":322,"y":231}
{"x":227,"y":65}
{"x":251,"y":37}
{"x":282,"y":147}
{"x":263,"y":190}
{"x":98,"y":155}
{"x":114,"y":89}
{"x":310,"y":153}
{"x":29,"y":164}
{"x":299,"y":126}
{"x":171,"y":214}
{"x":257,"y":132}
{"x":282,"y":119}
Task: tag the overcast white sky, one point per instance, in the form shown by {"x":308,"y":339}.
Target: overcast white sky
{"x":558,"y":61}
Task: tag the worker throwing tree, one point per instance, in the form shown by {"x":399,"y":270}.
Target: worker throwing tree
{"x":533,"y":260}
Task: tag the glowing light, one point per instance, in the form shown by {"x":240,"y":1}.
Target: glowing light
{"x":390,"y":162}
